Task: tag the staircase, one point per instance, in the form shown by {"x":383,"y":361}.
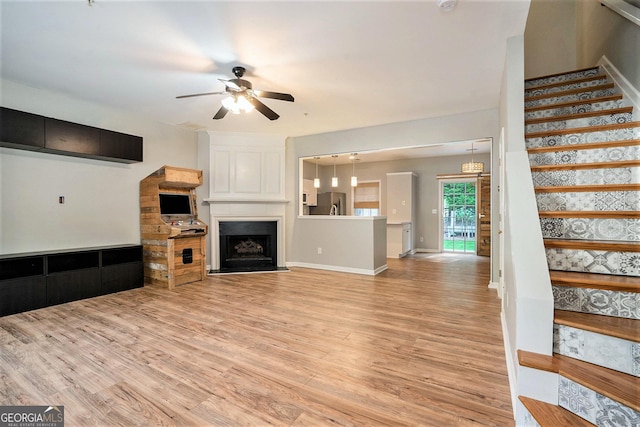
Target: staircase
{"x":583,"y":141}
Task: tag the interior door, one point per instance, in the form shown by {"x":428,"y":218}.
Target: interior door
{"x":483,"y":243}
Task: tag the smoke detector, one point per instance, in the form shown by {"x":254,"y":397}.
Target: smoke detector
{"x":447,"y":5}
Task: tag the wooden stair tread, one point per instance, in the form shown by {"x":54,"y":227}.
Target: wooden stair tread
{"x":585,"y":129}
{"x":538,"y":361}
{"x":572,"y":103}
{"x":581,"y":166}
{"x":615,"y":385}
{"x":589,"y":214}
{"x":595,"y":281}
{"x":623,"y":388}
{"x":589,"y":146}
{"x":588,"y":188}
{"x":567,"y":82}
{"x":570,"y":92}
{"x":626,"y":329}
{"x":598,"y":245}
{"x":548,"y":415}
{"x":594,"y":113}
{"x":562,"y":73}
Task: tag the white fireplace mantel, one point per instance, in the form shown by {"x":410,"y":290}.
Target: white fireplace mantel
{"x":248,"y":201}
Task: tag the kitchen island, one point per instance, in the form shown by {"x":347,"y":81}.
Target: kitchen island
{"x":352,"y":244}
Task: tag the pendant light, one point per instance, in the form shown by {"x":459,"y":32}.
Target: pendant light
{"x":316,"y":180}
{"x":472,"y":167}
{"x":354,"y":178}
{"x":334,"y":178}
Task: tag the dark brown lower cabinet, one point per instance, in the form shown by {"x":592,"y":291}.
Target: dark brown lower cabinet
{"x":36,"y":280}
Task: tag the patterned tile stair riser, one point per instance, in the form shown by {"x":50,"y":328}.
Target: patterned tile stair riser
{"x":626,"y":175}
{"x":603,"y":350}
{"x":573,"y":109}
{"x":562,"y":99}
{"x":562,"y":78}
{"x":604,"y":119}
{"x":594,"y":261}
{"x":619,"y":229}
{"x":564,"y":87}
{"x":571,"y":157}
{"x":584,"y":137}
{"x":599,"y":301}
{"x":589,"y":201}
{"x":594,"y":407}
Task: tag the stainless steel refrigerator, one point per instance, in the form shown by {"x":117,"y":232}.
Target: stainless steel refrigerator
{"x":331,"y":203}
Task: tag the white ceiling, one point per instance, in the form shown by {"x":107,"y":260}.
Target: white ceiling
{"x":349,"y":64}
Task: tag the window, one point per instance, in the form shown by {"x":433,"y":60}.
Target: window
{"x":366,"y":199}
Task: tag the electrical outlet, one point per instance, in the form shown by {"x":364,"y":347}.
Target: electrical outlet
{"x":319,"y":251}
{"x":422,"y":238}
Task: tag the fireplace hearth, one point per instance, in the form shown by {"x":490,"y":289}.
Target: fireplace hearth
{"x":247,"y":246}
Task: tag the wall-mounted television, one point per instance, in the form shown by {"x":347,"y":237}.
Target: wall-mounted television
{"x":175,"y":204}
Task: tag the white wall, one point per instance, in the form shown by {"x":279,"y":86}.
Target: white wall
{"x":603,"y":32}
{"x":527,"y":309}
{"x":550,"y":38}
{"x":101,"y":198}
{"x":566,"y":35}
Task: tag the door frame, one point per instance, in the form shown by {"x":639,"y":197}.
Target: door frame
{"x":453,"y":179}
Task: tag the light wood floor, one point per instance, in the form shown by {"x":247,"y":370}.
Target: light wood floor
{"x":419,"y":344}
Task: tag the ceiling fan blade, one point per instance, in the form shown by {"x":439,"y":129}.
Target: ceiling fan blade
{"x":268,"y":112}
{"x":200,"y":94}
{"x":230,"y":84}
{"x":274,"y":95}
{"x":221,"y":113}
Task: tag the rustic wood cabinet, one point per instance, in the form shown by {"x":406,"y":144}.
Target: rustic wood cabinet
{"x":173,"y":237}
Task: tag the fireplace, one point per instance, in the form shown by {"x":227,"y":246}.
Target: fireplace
{"x":248,"y":246}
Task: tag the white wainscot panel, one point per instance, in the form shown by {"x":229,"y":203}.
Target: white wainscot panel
{"x":248,"y":172}
{"x":273,"y":180}
{"x":221,"y":172}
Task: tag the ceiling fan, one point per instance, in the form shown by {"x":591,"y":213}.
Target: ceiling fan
{"x":242,"y":97}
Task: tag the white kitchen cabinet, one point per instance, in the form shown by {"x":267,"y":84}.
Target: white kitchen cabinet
{"x":310,"y":191}
{"x":401,"y":208}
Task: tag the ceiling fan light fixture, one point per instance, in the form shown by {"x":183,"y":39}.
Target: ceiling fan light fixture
{"x":237,"y":104}
{"x":447,"y":5}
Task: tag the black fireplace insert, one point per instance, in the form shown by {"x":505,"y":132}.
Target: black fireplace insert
{"x":248,"y":246}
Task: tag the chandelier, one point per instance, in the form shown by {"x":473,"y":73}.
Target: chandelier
{"x":472,"y":167}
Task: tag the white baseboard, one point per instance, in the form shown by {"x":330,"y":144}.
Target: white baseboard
{"x":425,"y":250}
{"x":338,"y":268}
{"x":511,"y":367}
{"x":631,"y":93}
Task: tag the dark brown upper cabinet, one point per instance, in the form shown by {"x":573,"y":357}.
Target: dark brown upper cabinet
{"x":28,"y":131}
{"x":18,"y":128}
{"x":71,"y":137}
{"x":120,"y":146}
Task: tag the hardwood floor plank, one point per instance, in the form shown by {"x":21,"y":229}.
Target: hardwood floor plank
{"x":419,"y":344}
